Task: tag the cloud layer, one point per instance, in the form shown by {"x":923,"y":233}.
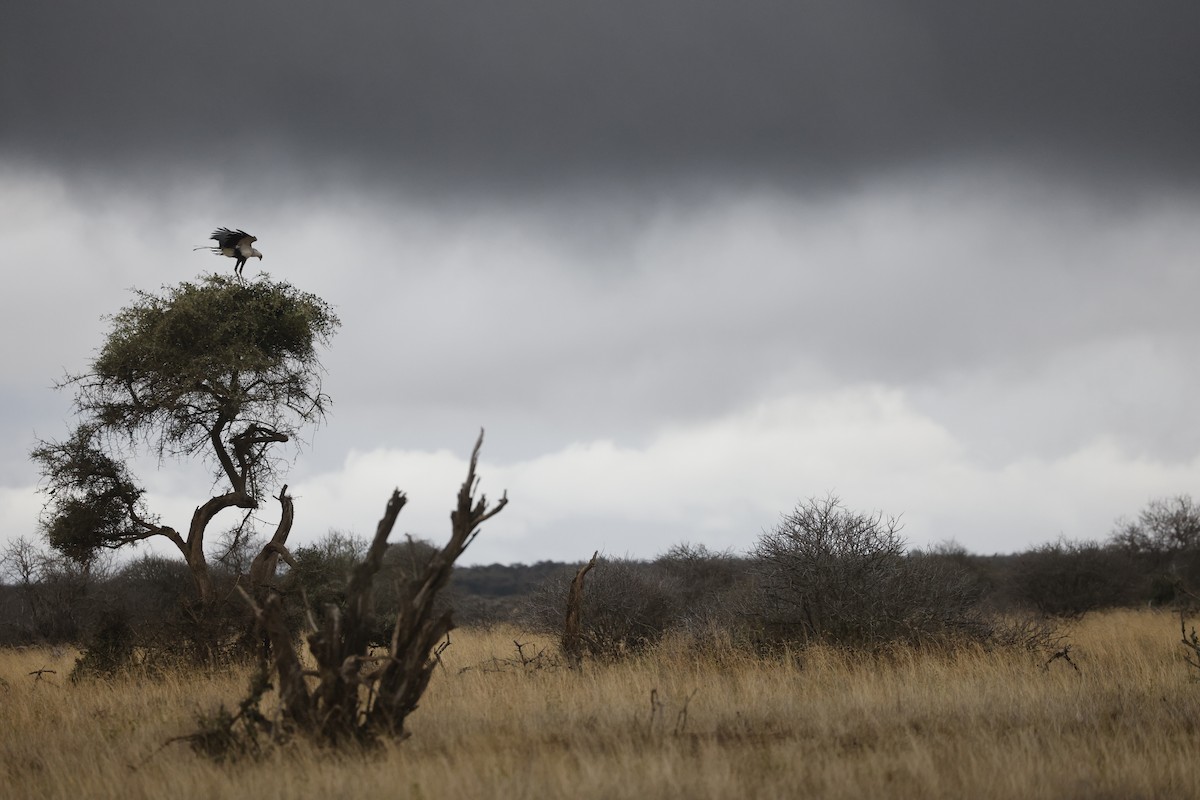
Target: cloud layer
{"x":1001,"y":367}
{"x":723,"y":481}
{"x":687,"y":261}
{"x":540,"y":91}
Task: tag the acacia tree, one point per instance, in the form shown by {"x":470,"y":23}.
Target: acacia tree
{"x":220,"y":370}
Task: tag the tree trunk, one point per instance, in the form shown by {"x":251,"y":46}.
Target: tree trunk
{"x":194,"y":547}
{"x":256,"y":640}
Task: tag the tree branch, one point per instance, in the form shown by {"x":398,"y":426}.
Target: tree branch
{"x":262,"y":569}
{"x":236,"y":479}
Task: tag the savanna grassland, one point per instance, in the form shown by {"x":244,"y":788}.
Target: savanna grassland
{"x":678,"y":722}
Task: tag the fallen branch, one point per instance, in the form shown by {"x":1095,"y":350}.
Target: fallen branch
{"x":1065,"y":655}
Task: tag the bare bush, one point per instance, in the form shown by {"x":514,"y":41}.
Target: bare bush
{"x":1163,"y":544}
{"x":55,"y":594}
{"x":711,"y":588}
{"x":1165,"y":525}
{"x":832,"y":575}
{"x":527,"y":658}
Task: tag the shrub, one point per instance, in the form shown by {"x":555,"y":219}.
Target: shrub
{"x":827,"y":574}
{"x":1069,"y":578}
{"x":110,"y":650}
{"x":702,"y":582}
{"x":321,"y":570}
{"x":626,"y":607}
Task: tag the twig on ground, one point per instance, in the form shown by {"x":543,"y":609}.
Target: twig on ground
{"x":1065,"y":655}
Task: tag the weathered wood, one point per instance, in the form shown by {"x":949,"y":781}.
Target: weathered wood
{"x":571,"y":642}
{"x":417,"y":631}
{"x":262,"y":569}
{"x":351,"y":701}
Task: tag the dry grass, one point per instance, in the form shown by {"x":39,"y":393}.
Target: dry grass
{"x":972,"y":724}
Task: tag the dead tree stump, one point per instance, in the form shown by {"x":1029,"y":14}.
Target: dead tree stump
{"x":572,"y":642}
{"x":358,"y":696}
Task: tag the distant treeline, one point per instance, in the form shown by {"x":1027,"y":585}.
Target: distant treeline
{"x":825,"y":573}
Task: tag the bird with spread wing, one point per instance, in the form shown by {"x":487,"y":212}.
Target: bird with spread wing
{"x":234,"y":244}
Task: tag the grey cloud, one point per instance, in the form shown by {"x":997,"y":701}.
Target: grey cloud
{"x":547,"y":90}
{"x":968,"y":202}
{"x":1028,"y":320}
{"x":923,"y":283}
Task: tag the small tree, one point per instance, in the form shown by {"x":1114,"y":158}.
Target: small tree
{"x":220,"y":370}
{"x":1165,"y":526}
{"x":832,"y":575}
{"x":1164,"y":542}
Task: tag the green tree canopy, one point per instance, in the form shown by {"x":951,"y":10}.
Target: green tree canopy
{"x":219,"y":369}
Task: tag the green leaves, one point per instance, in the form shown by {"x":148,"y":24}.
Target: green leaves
{"x":221,"y":368}
{"x":218,"y":348}
{"x":177,"y":367}
{"x":219,"y":325}
{"x":93,"y":500}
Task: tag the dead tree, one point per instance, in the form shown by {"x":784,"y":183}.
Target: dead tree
{"x":571,"y":642}
{"x":358,"y":696}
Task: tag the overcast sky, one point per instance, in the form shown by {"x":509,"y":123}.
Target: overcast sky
{"x":687,"y":261}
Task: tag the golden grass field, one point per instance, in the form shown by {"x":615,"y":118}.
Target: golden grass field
{"x":968,"y":725}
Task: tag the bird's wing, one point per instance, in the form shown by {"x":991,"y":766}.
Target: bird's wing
{"x":226,"y":237}
{"x":246,"y":244}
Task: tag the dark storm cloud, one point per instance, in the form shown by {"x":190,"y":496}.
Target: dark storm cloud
{"x":547,"y":88}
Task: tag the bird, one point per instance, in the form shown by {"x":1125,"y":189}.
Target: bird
{"x":234,"y":244}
